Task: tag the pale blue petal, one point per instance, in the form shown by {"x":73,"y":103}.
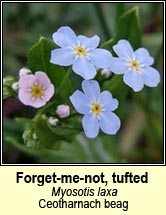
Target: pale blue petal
{"x":134,"y":80}
{"x":151,"y":76}
{"x":80,"y":102}
{"x":123,"y":49}
{"x":101,"y":58}
{"x":64,"y":36}
{"x":118,"y":66}
{"x":62,"y":56}
{"x":143,"y":56}
{"x":83,"y":67}
{"x":89,"y":42}
{"x":92,"y":89}
{"x":109,"y":122}
{"x":107,"y":101}
{"x":90,"y":125}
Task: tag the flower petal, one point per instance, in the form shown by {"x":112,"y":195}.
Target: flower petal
{"x":118,"y":66}
{"x":107,"y":101}
{"x":64,"y":36}
{"x":84,"y":68}
{"x":143,"y":56}
{"x":62,"y":56}
{"x":134,"y":80}
{"x":90,"y":125}
{"x":123,"y":49}
{"x":89,"y":42}
{"x":48,"y":93}
{"x":25,"y":97}
{"x":42,"y":79}
{"x":109,"y":122}
{"x":101,"y":58}
{"x":37,"y":103}
{"x":151,"y":76}
{"x":80,"y":102}
{"x":26,"y":82}
{"x":92,"y":89}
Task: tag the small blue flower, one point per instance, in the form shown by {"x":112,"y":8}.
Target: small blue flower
{"x":80,"y":52}
{"x":97,"y":108}
{"x":135,"y":65}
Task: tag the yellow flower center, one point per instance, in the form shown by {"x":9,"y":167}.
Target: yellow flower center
{"x":80,"y":51}
{"x":96,"y":108}
{"x":134,"y":65}
{"x":37,"y":91}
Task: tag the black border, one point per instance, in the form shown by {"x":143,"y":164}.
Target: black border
{"x":86,"y":164}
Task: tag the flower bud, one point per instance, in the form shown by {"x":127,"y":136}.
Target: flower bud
{"x":7,"y":92}
{"x":30,"y":138}
{"x":9,"y":80}
{"x":53,"y":121}
{"x":106,"y":73}
{"x":24,"y":71}
{"x":15,"y":86}
{"x":63,"y":111}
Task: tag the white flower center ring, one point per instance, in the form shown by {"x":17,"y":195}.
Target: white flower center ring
{"x":134,"y":65}
{"x":80,"y":51}
{"x":96,"y":108}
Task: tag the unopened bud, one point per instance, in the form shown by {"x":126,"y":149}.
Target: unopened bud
{"x":53,"y":121}
{"x":30,"y":138}
{"x":24,"y":71}
{"x":7,"y":92}
{"x":15,"y":86}
{"x":63,"y":111}
{"x":9,"y":80}
{"x":106,"y":73}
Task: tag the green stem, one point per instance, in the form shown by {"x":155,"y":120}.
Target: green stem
{"x":113,"y":84}
{"x":107,"y":44}
{"x":64,"y":80}
{"x":158,"y":55}
{"x":101,"y":19}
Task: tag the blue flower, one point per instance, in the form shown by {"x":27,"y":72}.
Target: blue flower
{"x":135,"y":65}
{"x":97,"y":108}
{"x":80,"y":52}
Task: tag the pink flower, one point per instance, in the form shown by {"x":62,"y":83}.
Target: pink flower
{"x":63,"y":111}
{"x":35,"y":90}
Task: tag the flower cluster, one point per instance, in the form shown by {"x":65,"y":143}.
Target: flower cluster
{"x":82,"y":54}
{"x":85,"y":58}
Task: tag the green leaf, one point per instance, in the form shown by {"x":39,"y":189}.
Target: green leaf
{"x":49,"y":135}
{"x":22,"y":121}
{"x":67,"y":127}
{"x":62,"y":130}
{"x":39,"y":60}
{"x":22,"y":147}
{"x":129,"y":28}
{"x":44,"y":134}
